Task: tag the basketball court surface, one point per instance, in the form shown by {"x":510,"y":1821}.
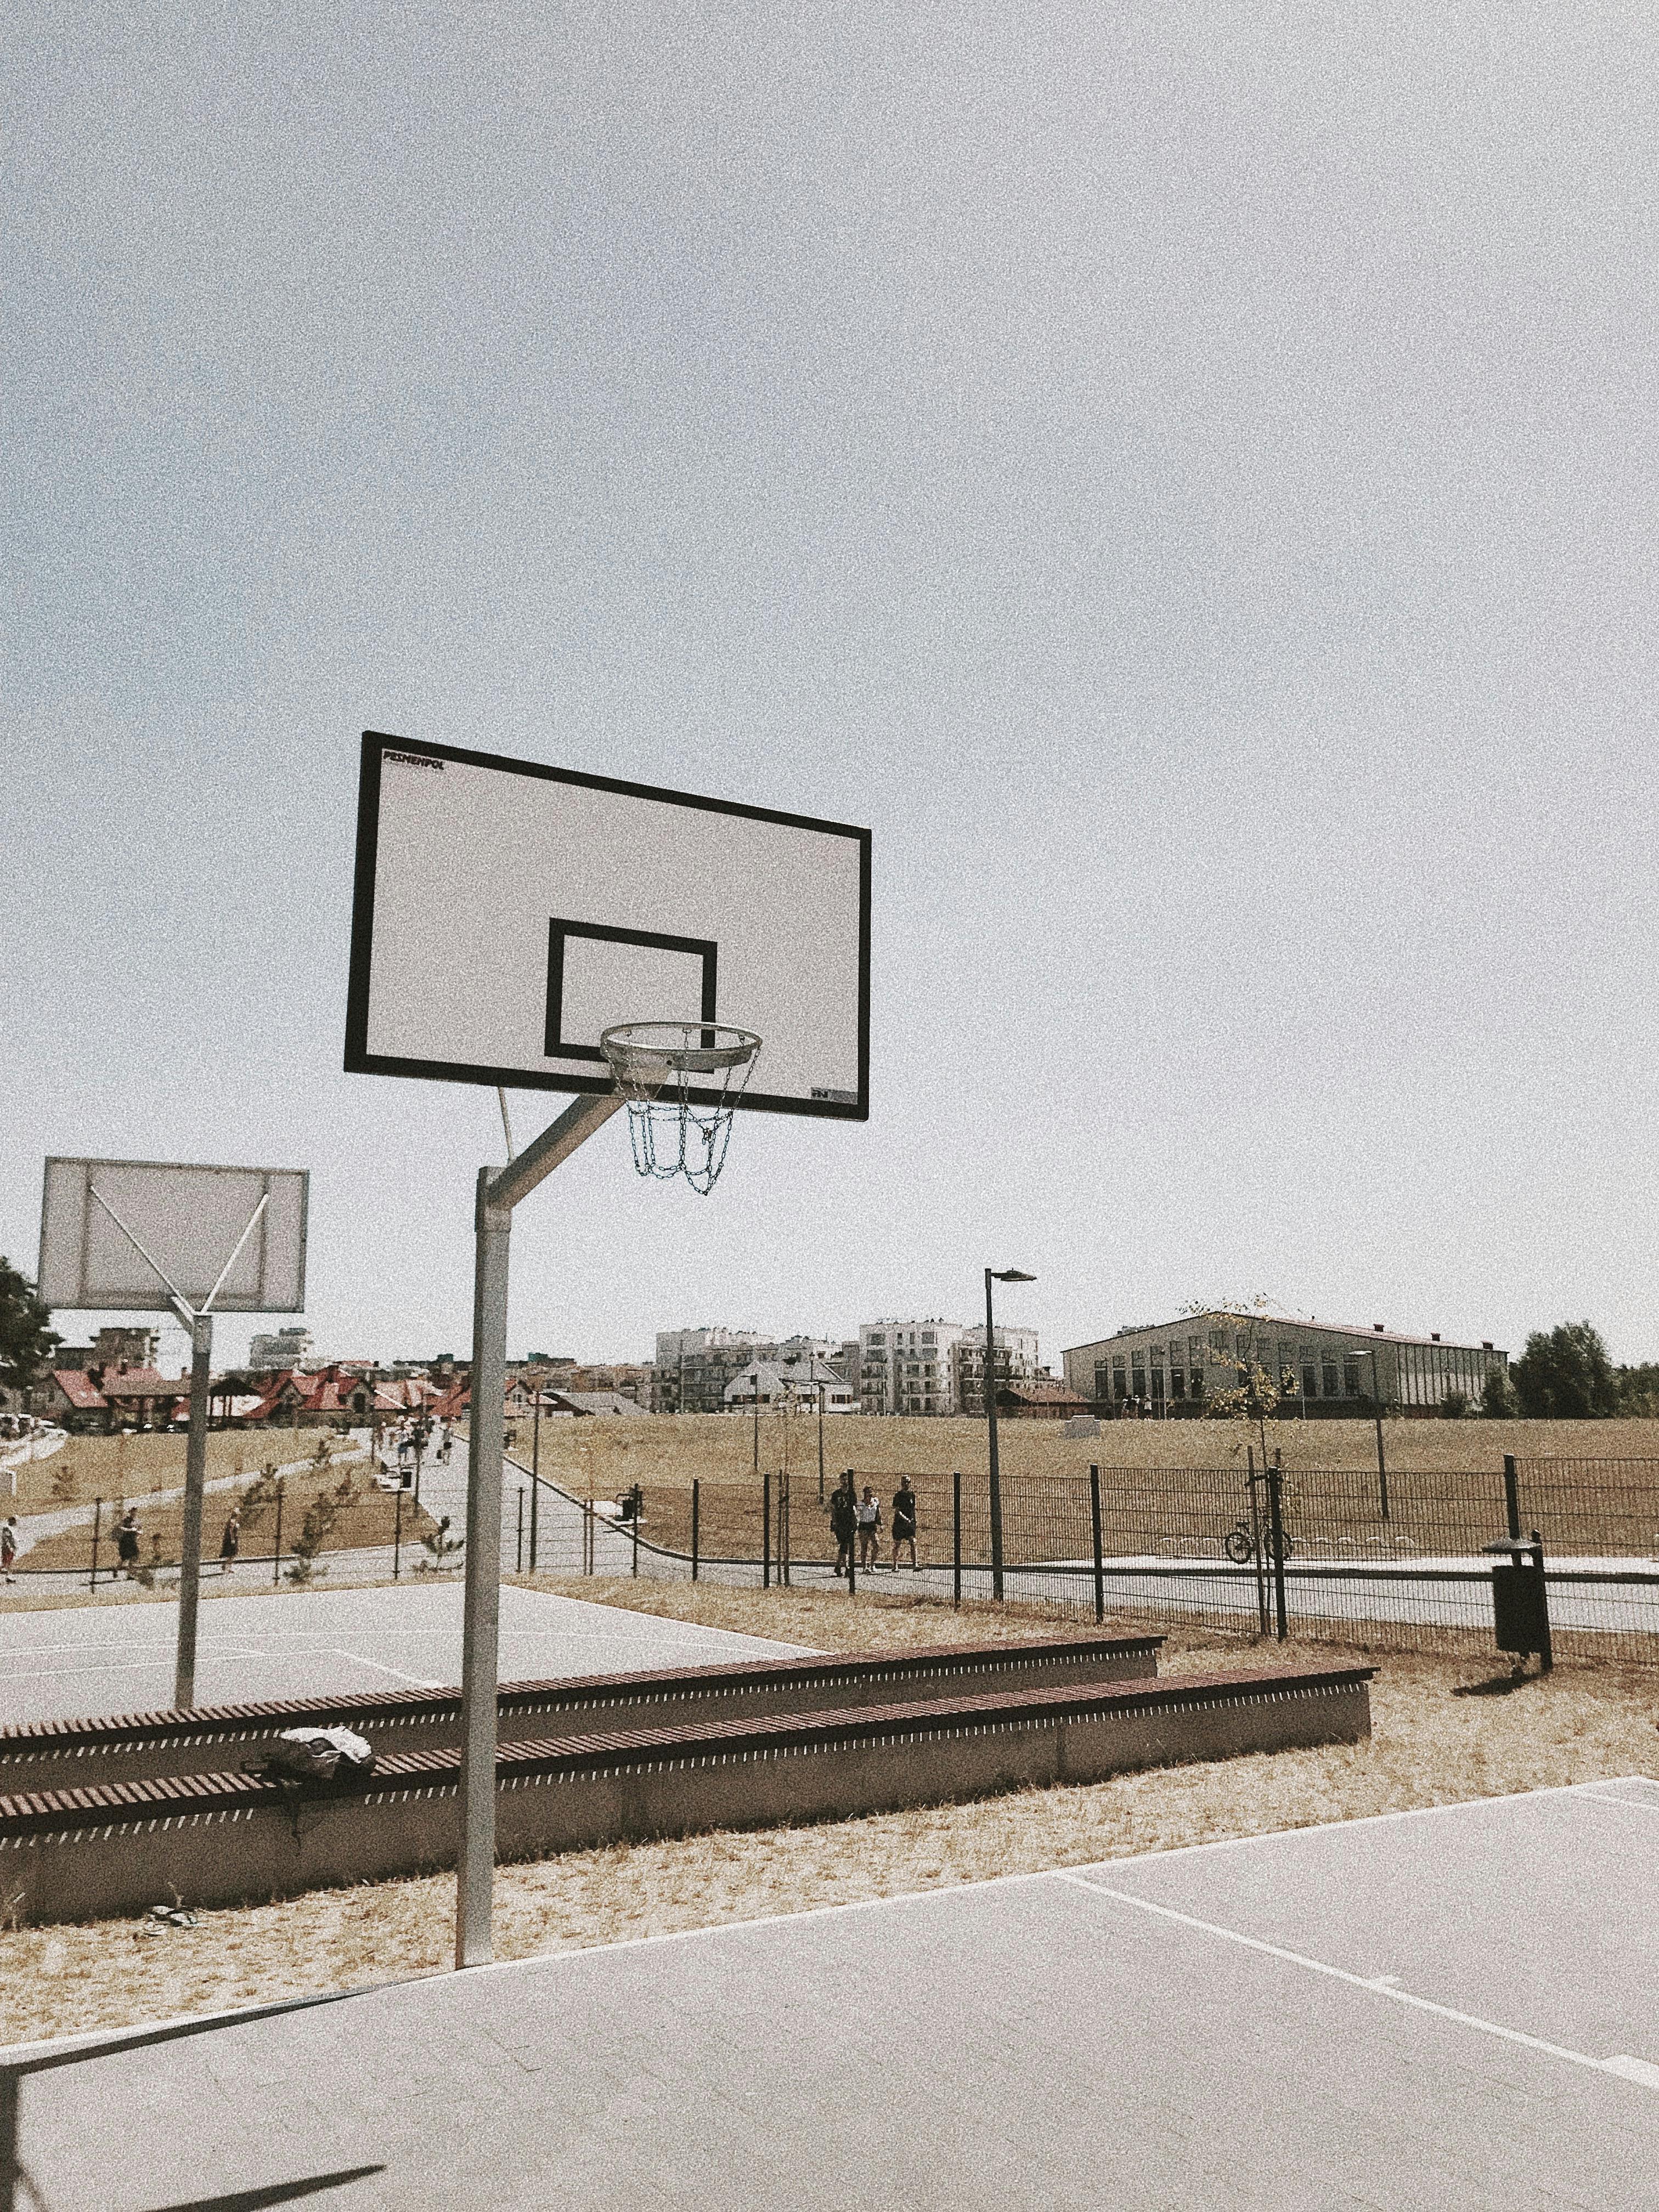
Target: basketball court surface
{"x":69,"y":1661}
{"x":1457,"y":2007}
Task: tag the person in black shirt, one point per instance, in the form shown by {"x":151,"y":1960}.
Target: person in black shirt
{"x":904,"y":1521}
{"x":843,"y":1520}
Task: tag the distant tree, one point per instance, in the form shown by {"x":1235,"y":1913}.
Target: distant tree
{"x":1455,"y":1405}
{"x":1638,"y":1390}
{"x":1565,"y":1374}
{"x":1259,"y":1393}
{"x":27,"y":1335}
{"x":1497,"y":1397}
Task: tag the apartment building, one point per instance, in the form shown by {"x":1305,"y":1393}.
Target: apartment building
{"x":1014,"y":1357}
{"x":905,"y":1366}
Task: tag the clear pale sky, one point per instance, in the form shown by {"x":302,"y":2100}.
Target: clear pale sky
{"x":1185,"y":477}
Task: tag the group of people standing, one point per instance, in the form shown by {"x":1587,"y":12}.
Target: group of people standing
{"x":855,"y":1518}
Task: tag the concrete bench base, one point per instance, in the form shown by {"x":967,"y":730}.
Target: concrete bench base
{"x":226,"y":1839}
{"x":137,"y":1747}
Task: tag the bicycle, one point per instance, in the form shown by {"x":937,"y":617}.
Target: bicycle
{"x":1239,"y":1543}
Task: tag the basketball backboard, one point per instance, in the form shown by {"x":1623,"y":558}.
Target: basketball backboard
{"x":506,"y":914}
{"x":188,"y":1218}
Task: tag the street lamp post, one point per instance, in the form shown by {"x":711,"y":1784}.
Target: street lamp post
{"x":1376,"y":1415}
{"x":995,"y":1275}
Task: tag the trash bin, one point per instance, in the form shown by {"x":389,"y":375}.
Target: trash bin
{"x":1520,"y":1599}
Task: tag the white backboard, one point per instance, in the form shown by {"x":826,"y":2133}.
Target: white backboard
{"x":188,"y":1218}
{"x":506,"y":913}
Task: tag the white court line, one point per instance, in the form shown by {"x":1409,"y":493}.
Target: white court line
{"x":1378,"y":1986}
{"x":1636,"y":1804}
{"x":339,"y":1651}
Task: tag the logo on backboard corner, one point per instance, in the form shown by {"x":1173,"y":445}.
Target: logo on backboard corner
{"x":836,"y":1097}
{"x":414,"y":760}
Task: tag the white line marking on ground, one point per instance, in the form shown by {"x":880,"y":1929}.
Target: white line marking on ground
{"x":1601,"y":1797}
{"x":419,"y":1682}
{"x":1381,"y":1986}
{"x":1633,"y":2070}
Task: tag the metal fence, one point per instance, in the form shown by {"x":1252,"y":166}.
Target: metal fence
{"x":1316,"y":1554}
{"x":289,"y":1530}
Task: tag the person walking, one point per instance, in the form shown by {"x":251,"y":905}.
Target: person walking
{"x":904,"y":1521}
{"x":843,"y":1520}
{"x":869,"y":1525}
{"x":8,"y":1547}
{"x":231,"y":1542}
{"x":126,"y":1541}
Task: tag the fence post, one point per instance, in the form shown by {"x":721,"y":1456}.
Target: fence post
{"x":634,"y":1525}
{"x":277,"y":1562}
{"x":519,"y":1555}
{"x":535,"y":1503}
{"x":97,"y":1516}
{"x":852,"y":1549}
{"x":1512,"y":1498}
{"x":1546,"y":1657}
{"x":696,"y":1522}
{"x":956,"y":1538}
{"x":766,"y":1531}
{"x":397,"y":1536}
{"x":1100,"y":1565}
{"x":1276,"y":1543}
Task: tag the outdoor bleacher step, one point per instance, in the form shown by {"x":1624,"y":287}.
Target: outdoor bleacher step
{"x":46,"y":1754}
{"x":105,"y":1848}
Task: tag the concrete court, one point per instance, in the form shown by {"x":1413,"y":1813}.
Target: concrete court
{"x":67,"y":1662}
{"x":1453,"y":2009}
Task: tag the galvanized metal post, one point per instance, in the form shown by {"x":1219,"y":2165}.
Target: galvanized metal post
{"x":517,"y":1563}
{"x":696,"y":1506}
{"x":1276,"y":1542}
{"x":956,"y":1538}
{"x":766,"y":1531}
{"x":990,"y":1433}
{"x":189,"y":1558}
{"x":398,"y":1537}
{"x":1100,"y":1564}
{"x":97,"y":1516}
{"x":1547,"y":1653}
{"x":535,"y":1473}
{"x":277,"y":1560}
{"x":481,"y":1632}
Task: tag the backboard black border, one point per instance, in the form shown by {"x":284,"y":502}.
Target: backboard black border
{"x":359,"y":1060}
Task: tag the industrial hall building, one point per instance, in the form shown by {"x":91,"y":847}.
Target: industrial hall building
{"x":1328,"y":1368}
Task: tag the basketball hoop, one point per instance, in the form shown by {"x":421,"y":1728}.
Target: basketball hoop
{"x":703,"y":1067}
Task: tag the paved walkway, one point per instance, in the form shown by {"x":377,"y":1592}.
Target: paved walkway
{"x":1448,"y":2009}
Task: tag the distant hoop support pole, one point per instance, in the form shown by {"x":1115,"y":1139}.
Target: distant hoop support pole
{"x":681,"y":1082}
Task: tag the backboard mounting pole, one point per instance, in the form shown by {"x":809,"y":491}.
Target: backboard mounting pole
{"x":190,"y":1542}
{"x":199,"y":1323}
{"x":498,"y":1191}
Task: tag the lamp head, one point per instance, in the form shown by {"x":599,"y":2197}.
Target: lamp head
{"x":1010,"y":1275}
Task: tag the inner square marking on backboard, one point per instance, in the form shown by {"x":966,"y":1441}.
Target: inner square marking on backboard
{"x":702,"y":949}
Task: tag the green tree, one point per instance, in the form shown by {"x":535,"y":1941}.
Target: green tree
{"x":1497,"y":1399}
{"x":1259,"y":1392}
{"x":1638,"y":1390}
{"x":1565,"y":1374}
{"x":27,"y":1335}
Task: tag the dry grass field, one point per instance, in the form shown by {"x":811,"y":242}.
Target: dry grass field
{"x":1168,"y":1487}
{"x":360,"y":1515}
{"x":135,"y":1467}
{"x":604,"y":1456}
{"x":1429,"y":1747}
